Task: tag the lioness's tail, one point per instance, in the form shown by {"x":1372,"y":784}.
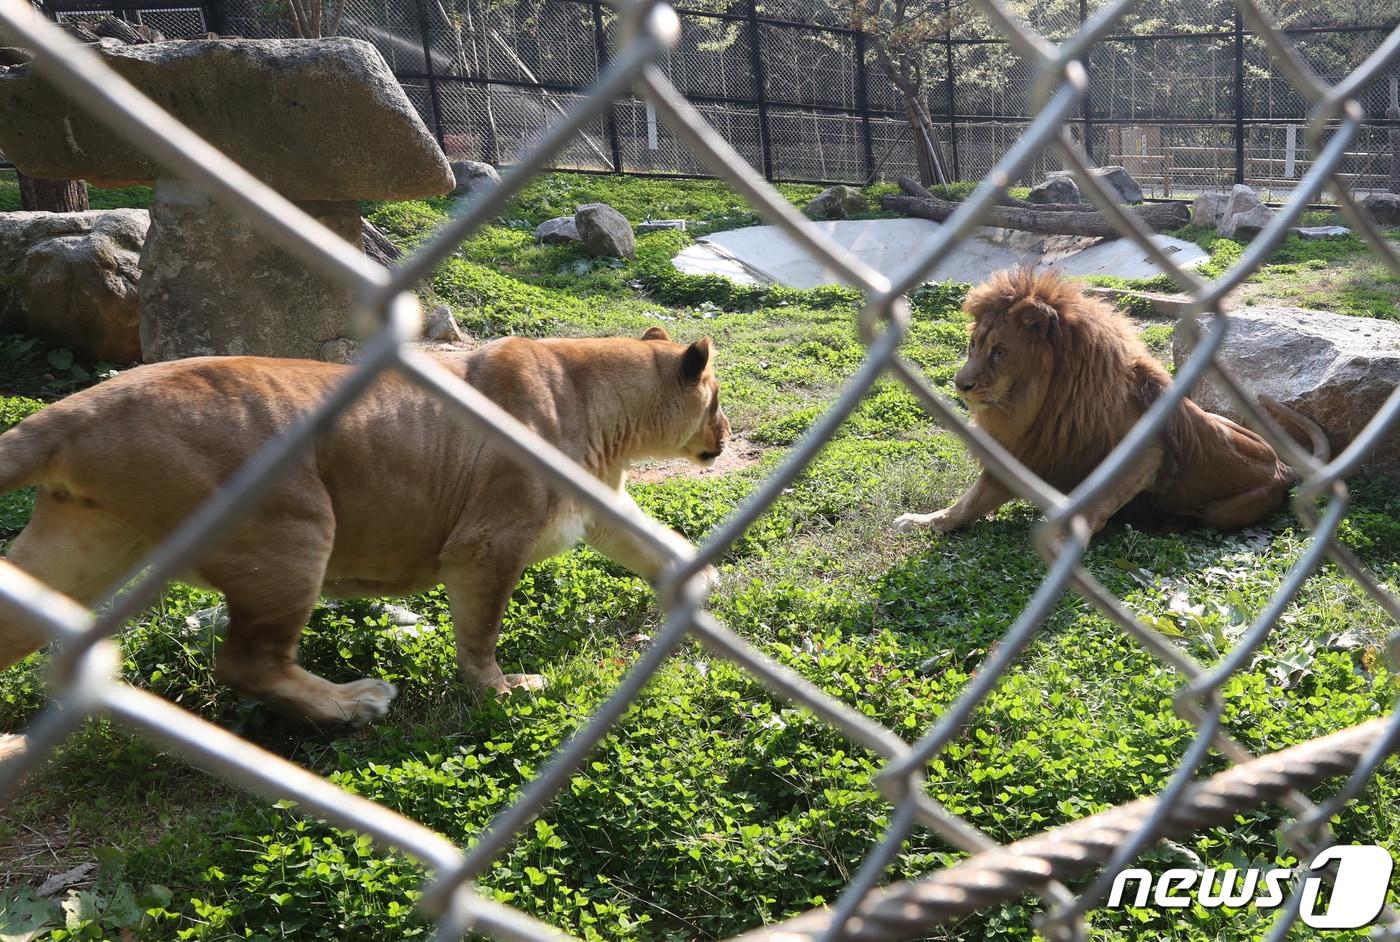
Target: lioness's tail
{"x":26,"y":450}
{"x":1293,"y":420}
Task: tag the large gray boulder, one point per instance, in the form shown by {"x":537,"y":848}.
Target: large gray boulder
{"x":472,"y":175}
{"x":605,"y":231}
{"x":1121,"y":182}
{"x":1208,"y":209}
{"x":315,"y":119}
{"x":1247,"y":224}
{"x":1337,"y":370}
{"x":1384,"y":208}
{"x":211,"y":285}
{"x":71,"y":278}
{"x":837,"y":202}
{"x":1057,"y":187}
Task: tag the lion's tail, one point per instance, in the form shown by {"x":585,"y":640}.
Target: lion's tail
{"x":26,"y":450}
{"x":1295,"y":420}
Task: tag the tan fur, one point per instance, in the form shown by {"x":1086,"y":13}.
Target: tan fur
{"x":1059,"y":378}
{"x":397,"y":497}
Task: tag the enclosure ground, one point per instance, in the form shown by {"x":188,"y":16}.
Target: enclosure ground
{"x":714,"y":806}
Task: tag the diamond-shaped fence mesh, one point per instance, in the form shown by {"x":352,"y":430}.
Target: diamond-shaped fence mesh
{"x":85,"y":682}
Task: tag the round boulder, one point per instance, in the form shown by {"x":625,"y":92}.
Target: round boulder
{"x":561,"y":230}
{"x":604,"y":231}
{"x":837,"y":202}
{"x":71,"y":278}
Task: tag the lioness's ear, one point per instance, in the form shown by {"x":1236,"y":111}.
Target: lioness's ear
{"x":656,"y":333}
{"x":1039,"y":317}
{"x":695,"y":359}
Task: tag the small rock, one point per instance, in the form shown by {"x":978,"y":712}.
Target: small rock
{"x":656,"y":225}
{"x":604,"y":231}
{"x":1384,"y":208}
{"x":398,"y":615}
{"x":62,"y":881}
{"x":1121,"y":182}
{"x":560,"y":230}
{"x":1208,"y":209}
{"x":1248,"y":223}
{"x":339,"y":350}
{"x":471,"y":174}
{"x":836,"y":202}
{"x":1057,"y":187}
{"x":1320,"y":232}
{"x":441,"y":326}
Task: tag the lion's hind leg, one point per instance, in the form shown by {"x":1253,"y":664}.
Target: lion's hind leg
{"x":1244,"y":509}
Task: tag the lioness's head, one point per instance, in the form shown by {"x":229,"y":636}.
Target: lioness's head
{"x":1011,"y":348}
{"x":697,"y":424}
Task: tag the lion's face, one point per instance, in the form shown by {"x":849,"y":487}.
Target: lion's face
{"x":1010,"y":355}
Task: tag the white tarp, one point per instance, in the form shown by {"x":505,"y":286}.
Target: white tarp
{"x":765,"y":254}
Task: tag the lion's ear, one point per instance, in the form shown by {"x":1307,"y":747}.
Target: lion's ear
{"x":656,"y":333}
{"x":695,"y":359}
{"x":1040,"y":317}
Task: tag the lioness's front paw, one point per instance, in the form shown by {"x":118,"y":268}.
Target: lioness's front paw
{"x":939,"y":522}
{"x":510,"y":683}
{"x":361,"y":701}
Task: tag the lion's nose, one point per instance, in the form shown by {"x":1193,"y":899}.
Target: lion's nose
{"x":963,"y":385}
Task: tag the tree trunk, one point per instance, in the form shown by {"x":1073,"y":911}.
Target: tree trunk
{"x":1157,"y":216}
{"x":915,"y":188}
{"x":52,"y":196}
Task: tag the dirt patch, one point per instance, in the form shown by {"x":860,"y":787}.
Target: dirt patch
{"x":740,"y":453}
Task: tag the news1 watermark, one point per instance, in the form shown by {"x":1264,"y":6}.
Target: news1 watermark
{"x":1353,"y":899}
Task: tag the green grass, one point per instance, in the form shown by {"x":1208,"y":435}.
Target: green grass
{"x":716,"y":806}
{"x":98,"y":197}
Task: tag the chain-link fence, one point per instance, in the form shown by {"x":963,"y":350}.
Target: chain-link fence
{"x":85,"y":682}
{"x":1183,"y":92}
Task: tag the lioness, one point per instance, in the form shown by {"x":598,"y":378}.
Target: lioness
{"x":1058,"y":378}
{"x":397,"y":497}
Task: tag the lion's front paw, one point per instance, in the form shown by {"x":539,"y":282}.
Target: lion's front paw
{"x":938,"y":522}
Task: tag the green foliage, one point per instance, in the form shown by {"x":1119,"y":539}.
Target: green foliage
{"x":713,"y":805}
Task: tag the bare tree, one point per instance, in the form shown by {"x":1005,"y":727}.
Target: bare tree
{"x":308,"y":18}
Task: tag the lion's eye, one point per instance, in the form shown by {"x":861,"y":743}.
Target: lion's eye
{"x":998,"y":352}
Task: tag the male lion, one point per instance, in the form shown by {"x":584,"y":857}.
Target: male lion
{"x":1058,"y":378}
{"x":397,"y":497}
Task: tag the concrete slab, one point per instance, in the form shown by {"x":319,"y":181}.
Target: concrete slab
{"x":765,"y":254}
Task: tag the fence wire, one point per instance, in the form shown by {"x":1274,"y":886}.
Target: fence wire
{"x":85,"y":681}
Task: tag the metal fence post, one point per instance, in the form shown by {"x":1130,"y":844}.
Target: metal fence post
{"x":863,"y":103}
{"x":600,"y":46}
{"x":214,"y":16}
{"x":1239,"y":97}
{"x":760,"y":92}
{"x":430,"y":72}
{"x":952,"y":89}
{"x":1088,"y":106}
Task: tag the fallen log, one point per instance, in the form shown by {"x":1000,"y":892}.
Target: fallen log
{"x":915,"y":188}
{"x":1156,"y":216}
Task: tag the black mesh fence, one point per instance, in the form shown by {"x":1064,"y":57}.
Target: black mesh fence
{"x":1182,"y":93}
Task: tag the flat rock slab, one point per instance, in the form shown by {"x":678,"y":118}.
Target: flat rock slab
{"x":765,"y":254}
{"x":316,"y":119}
{"x":1335,"y":369}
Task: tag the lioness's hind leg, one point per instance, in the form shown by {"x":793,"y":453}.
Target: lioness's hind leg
{"x":72,"y":547}
{"x":479,"y":581}
{"x":272,"y":584}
